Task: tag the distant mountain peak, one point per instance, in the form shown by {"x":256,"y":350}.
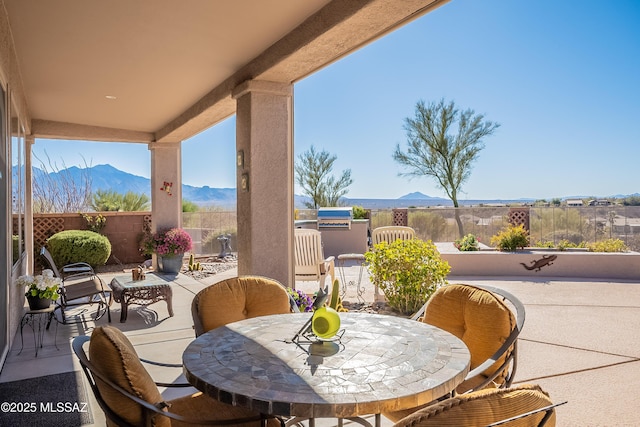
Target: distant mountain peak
{"x":416,"y":195}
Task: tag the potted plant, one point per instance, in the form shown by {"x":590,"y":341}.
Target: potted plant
{"x":41,"y":289}
{"x":467,"y":243}
{"x":170,"y":247}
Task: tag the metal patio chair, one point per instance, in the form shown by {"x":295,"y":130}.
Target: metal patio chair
{"x":488,"y":320}
{"x":80,"y":286}
{"x":129,"y":397}
{"x":523,"y":406}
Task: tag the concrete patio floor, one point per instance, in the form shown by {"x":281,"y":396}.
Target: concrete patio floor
{"x":580,"y":342}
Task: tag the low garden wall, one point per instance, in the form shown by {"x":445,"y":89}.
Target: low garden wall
{"x":540,"y":263}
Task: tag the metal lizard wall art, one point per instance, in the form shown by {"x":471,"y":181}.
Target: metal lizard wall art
{"x":537,"y":264}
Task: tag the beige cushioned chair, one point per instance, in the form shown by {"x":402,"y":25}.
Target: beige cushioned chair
{"x":485,"y":407}
{"x":482,"y":318}
{"x":129,"y":397}
{"x":238,"y":298}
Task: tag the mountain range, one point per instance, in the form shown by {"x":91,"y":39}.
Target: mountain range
{"x":107,"y":177}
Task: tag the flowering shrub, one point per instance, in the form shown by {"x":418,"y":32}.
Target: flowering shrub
{"x":511,"y":238}
{"x":407,"y":272}
{"x":41,"y":286}
{"x":467,"y":243}
{"x":166,"y":243}
{"x":303,"y":301}
{"x":608,"y":245}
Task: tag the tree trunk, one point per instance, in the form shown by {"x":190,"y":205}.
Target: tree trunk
{"x":459,"y":221}
{"x":454,"y":199}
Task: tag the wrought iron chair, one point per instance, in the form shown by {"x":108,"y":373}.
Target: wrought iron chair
{"x":239,"y":298}
{"x":488,"y":320}
{"x":391,"y":233}
{"x":310,"y":263}
{"x":523,"y":406}
{"x":129,"y":397}
{"x":80,"y":286}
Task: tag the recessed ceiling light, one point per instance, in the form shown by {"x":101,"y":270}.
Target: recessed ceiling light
{"x":110,"y":97}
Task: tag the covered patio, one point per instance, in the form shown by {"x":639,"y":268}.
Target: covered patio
{"x":579,"y":342}
{"x":158,"y":73}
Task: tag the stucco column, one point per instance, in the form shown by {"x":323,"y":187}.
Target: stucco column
{"x":264,"y":143}
{"x":166,"y":185}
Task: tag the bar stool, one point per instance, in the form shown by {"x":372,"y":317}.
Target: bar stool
{"x":359,"y":260}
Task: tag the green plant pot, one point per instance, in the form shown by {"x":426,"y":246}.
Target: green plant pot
{"x":170,"y":264}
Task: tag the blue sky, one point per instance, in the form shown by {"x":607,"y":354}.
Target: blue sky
{"x":562,"y":77}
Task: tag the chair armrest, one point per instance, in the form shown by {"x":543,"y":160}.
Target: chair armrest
{"x":548,"y":409}
{"x":166,"y":365}
{"x":76,"y":267}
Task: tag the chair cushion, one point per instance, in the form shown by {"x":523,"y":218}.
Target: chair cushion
{"x":201,"y":407}
{"x":114,"y":357}
{"x":476,"y":316}
{"x":485,"y":407}
{"x":239,"y":298}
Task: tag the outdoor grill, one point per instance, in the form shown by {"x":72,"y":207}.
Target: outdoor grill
{"x":335,"y":218}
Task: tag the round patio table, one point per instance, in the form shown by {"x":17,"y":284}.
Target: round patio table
{"x":380,"y":363}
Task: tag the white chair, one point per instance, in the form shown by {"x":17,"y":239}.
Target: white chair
{"x":311,"y":265}
{"x":391,"y":233}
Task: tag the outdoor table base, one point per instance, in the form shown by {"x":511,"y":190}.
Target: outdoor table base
{"x":152,"y":289}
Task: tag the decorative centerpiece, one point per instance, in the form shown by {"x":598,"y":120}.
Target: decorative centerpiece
{"x":41,"y":289}
{"x":323,"y":324}
{"x":170,"y":247}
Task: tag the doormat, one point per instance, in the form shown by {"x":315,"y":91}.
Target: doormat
{"x":53,"y":400}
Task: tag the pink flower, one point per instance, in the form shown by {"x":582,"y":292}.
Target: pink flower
{"x":169,"y":242}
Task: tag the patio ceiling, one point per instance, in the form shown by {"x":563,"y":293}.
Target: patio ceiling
{"x":163,"y":70}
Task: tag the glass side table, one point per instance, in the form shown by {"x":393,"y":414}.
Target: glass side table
{"x":39,"y":321}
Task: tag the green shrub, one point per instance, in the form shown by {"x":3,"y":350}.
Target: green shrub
{"x":467,"y":243}
{"x":545,"y":244}
{"x":95,"y":223}
{"x":71,"y":246}
{"x":608,"y":245}
{"x":407,"y":272}
{"x":511,"y":238}
{"x":359,"y":212}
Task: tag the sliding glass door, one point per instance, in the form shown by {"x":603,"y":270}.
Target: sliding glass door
{"x":5,"y":227}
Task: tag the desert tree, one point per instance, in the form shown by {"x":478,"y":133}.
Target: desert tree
{"x":57,"y":190}
{"x":442,"y":143}
{"x":313,"y":173}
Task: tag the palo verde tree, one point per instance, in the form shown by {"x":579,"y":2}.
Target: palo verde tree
{"x":443,"y":142}
{"x":313,"y":173}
